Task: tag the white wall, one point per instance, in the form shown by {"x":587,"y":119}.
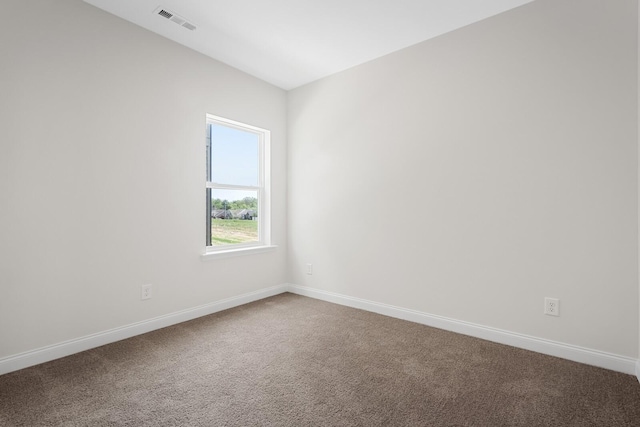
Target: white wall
{"x":472,"y":175}
{"x":508,"y":150}
{"x":102,"y":174}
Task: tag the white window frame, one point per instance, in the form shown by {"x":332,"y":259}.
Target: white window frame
{"x":263,"y":190}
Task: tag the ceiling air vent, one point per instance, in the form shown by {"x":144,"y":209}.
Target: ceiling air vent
{"x":175,"y":18}
{"x":189,"y":26}
{"x":166,"y":14}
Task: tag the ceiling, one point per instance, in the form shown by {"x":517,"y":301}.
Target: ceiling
{"x":293,"y":42}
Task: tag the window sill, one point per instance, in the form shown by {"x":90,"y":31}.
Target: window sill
{"x":210,"y":256}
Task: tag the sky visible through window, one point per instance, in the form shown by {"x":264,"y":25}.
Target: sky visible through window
{"x":234,"y":160}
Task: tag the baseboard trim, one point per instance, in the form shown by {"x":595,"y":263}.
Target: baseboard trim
{"x":601,"y":359}
{"x":56,"y":351}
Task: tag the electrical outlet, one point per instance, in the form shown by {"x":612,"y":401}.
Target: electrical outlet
{"x":309,"y":269}
{"x":146,"y":292}
{"x":552,"y":306}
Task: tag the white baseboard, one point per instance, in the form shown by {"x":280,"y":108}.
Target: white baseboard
{"x":610,"y":361}
{"x":56,"y":351}
{"x":614,"y":362}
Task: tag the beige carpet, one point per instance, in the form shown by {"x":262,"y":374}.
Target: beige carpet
{"x":295,"y":361}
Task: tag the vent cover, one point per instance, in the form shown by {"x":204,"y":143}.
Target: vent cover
{"x":175,"y":18}
{"x":189,"y":26}
{"x":165,"y":13}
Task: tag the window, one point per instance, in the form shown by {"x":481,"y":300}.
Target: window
{"x":237,"y":186}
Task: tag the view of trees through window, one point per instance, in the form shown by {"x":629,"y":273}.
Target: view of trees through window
{"x":246,"y":203}
{"x":234,"y":221}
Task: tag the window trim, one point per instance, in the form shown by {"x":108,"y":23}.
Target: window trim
{"x":229,"y":253}
{"x":263,"y":190}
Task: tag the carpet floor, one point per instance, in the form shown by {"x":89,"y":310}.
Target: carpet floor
{"x":295,"y":361}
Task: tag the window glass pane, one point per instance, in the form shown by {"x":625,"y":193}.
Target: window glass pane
{"x":234,"y":156}
{"x":209,"y":207}
{"x":209,"y":154}
{"x":234,"y":217}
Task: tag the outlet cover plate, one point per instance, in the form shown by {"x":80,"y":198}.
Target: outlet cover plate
{"x":552,"y":306}
{"x":145,"y":292}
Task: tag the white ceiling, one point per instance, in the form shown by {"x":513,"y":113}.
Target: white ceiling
{"x":293,"y":42}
